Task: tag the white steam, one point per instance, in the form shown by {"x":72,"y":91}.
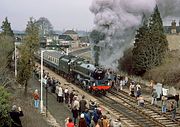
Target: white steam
{"x":119,"y":19}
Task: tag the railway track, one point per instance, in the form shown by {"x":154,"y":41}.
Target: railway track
{"x":126,"y":106}
{"x":126,"y":111}
{"x":155,"y":108}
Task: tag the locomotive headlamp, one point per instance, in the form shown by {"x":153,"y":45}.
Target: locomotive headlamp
{"x":94,"y":84}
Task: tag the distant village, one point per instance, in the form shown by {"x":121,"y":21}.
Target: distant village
{"x":73,"y":40}
{"x":55,"y":41}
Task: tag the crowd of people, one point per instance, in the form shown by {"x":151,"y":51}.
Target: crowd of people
{"x":84,"y":113}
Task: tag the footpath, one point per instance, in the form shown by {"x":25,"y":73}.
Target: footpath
{"x":59,"y":111}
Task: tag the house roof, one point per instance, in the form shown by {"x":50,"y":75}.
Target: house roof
{"x":65,"y":37}
{"x":70,"y":32}
{"x":84,"y":39}
{"x":167,"y":29}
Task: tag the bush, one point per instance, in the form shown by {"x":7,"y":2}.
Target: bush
{"x":4,"y":107}
{"x":169,"y":72}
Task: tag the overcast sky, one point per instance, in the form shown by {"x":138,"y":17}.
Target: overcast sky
{"x":63,"y":14}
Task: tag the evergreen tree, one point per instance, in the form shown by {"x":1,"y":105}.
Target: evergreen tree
{"x":6,"y":27}
{"x":159,"y":41}
{"x":150,"y":44}
{"x":30,"y":45}
{"x":32,"y":36}
{"x":24,"y":66}
{"x":140,"y":49}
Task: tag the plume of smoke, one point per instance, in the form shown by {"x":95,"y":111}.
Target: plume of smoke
{"x":169,"y":8}
{"x":118,"y":20}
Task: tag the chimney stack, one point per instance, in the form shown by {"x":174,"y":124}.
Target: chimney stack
{"x":173,"y":27}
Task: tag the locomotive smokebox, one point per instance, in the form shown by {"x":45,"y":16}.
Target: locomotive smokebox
{"x":99,"y":74}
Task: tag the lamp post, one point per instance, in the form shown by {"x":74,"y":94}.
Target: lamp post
{"x":67,"y":51}
{"x":41,"y":102}
{"x":15,"y":60}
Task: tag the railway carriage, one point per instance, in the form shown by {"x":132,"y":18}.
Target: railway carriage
{"x":51,"y":59}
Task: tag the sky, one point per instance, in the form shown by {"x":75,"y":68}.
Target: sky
{"x":63,"y":14}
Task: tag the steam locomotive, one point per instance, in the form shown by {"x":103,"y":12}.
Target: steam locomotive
{"x":78,"y":70}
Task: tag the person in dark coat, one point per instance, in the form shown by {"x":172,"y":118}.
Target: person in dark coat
{"x":14,"y":114}
{"x":71,"y":96}
{"x":87,"y":117}
{"x":173,"y":110}
{"x":82,"y":121}
{"x":82,"y":104}
{"x":176,"y":97}
{"x":96,"y":115}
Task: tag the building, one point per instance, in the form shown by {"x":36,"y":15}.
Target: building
{"x":75,"y":42}
{"x":173,"y":35}
{"x":84,"y":41}
{"x":65,"y":40}
{"x":72,"y":34}
{"x":173,"y":29}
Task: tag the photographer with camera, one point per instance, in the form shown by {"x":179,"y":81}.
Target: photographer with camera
{"x":15,"y":114}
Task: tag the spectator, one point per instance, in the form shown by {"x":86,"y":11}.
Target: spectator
{"x":69,"y":123}
{"x":82,"y":104}
{"x":121,"y":83}
{"x":173,"y":110}
{"x":71,"y":96}
{"x":49,"y":84}
{"x":176,"y":97}
{"x":66,"y":95}
{"x":164,"y":104}
{"x":75,"y":109}
{"x":92,"y":107}
{"x":100,"y":122}
{"x":82,"y":121}
{"x":151,"y":84}
{"x":87,"y":117}
{"x":138,"y":90}
{"x":138,"y":87}
{"x":117,"y":83}
{"x":105,"y":121}
{"x":116,"y":123}
{"x":126,"y":80}
{"x":16,"y":122}
{"x":96,"y":115}
{"x":97,"y":124}
{"x":36,"y":98}
{"x":57,"y":91}
{"x":60,"y":94}
{"x":140,"y":101}
{"x":154,"y":97}
{"x":53,"y":88}
{"x":131,"y":89}
{"x":138,"y":93}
